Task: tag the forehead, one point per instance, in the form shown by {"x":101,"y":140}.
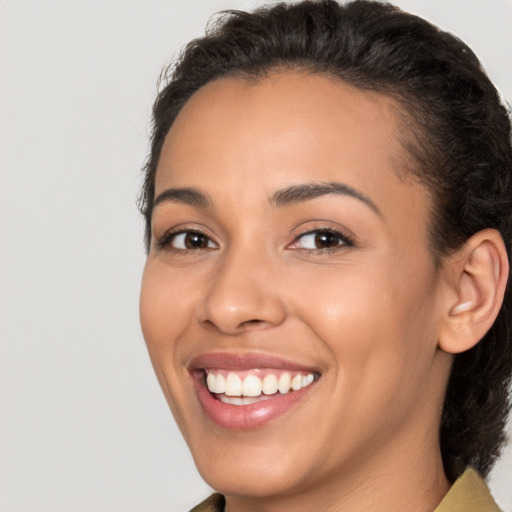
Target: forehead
{"x":236,"y":136}
{"x":286,"y":113}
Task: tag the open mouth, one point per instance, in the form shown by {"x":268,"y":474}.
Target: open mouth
{"x":246,"y":391}
{"x":254,"y":386}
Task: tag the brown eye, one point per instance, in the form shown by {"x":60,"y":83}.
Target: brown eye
{"x":321,"y":239}
{"x":195,"y":241}
{"x":191,"y":240}
{"x":325,"y":239}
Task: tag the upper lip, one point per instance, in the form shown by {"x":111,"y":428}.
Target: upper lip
{"x":247,"y":361}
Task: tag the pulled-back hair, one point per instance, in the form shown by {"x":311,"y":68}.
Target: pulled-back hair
{"x":458,"y":135}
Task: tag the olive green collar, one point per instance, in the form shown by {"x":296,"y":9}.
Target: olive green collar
{"x":468,"y":494}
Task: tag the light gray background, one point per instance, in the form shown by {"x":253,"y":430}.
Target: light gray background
{"x":83,"y":426}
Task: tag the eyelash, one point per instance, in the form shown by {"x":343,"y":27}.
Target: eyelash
{"x":343,"y":239}
{"x":165,"y":242}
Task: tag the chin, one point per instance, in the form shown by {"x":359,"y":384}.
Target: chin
{"x":251,"y":481}
{"x":259,"y":473}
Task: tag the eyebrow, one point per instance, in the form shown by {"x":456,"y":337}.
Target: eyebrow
{"x":284,"y":197}
{"x":189,"y":196}
{"x":307,"y":191}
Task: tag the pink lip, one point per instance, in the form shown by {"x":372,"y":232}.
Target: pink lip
{"x":242,"y":417}
{"x":244,"y":362}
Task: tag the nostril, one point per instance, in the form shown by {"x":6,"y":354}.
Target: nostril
{"x":251,"y":322}
{"x":235,"y":328}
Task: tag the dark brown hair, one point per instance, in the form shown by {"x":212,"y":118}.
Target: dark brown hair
{"x":460,"y":142}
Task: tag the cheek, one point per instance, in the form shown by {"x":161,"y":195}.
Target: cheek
{"x":162,"y":313}
{"x":381,"y":339}
{"x":163,"y":320}
{"x":378,"y":321}
{"x":166,"y":294}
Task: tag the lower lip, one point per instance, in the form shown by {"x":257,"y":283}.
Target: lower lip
{"x":244,"y":417}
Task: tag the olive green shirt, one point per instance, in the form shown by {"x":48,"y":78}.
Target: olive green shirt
{"x":468,"y":494}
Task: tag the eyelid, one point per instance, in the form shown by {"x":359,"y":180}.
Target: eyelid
{"x":164,"y":242}
{"x":347,"y":240}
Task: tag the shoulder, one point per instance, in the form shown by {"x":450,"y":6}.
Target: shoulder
{"x":468,"y":494}
{"x":215,"y":503}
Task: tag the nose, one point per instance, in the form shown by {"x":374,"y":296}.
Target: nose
{"x":243,"y":295}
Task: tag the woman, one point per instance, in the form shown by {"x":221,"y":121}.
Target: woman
{"x":328,"y":203}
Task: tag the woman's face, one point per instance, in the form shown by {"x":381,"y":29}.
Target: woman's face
{"x":290,"y":251}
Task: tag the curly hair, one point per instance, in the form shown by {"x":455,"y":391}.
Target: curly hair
{"x":455,"y":128}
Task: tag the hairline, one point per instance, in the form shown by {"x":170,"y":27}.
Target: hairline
{"x":407,"y":169}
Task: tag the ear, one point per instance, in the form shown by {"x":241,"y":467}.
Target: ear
{"x":478,"y":273}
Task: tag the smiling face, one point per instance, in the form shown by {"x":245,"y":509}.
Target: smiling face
{"x":290,"y":272}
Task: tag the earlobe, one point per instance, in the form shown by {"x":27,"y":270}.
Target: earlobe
{"x":479,"y":270}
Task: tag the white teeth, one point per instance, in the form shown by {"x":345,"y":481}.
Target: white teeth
{"x":296,"y":382}
{"x":251,"y":387}
{"x":211,"y":381}
{"x":233,"y":385}
{"x":269,"y":386}
{"x":220,"y":384}
{"x":284,"y":383}
{"x":242,"y":400}
{"x":306,"y":380}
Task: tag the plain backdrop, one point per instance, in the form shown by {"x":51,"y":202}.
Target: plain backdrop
{"x":83,"y":425}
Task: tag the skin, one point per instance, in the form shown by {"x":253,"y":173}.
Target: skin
{"x":367,"y":315}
